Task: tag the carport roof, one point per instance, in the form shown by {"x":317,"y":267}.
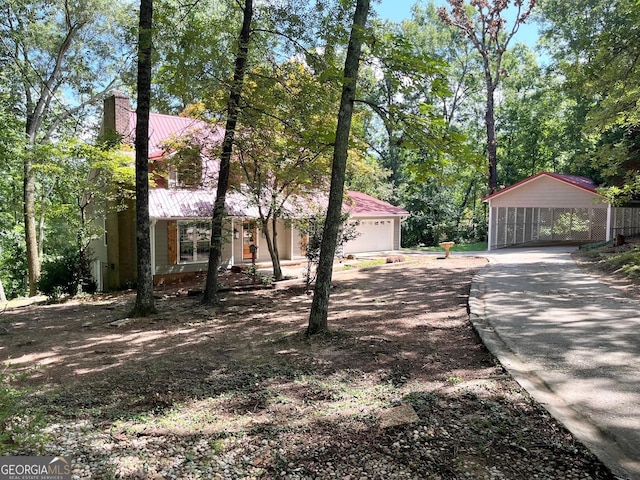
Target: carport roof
{"x":577,"y":181}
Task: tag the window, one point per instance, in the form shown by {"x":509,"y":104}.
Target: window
{"x":194,"y":240}
{"x":185,"y":168}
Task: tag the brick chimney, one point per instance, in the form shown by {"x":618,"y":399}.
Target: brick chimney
{"x":115,"y":120}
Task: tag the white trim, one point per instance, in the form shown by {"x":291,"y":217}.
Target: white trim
{"x":489,"y":231}
{"x":233,"y":244}
{"x":152,"y":232}
{"x":196,"y":224}
{"x":609,"y":221}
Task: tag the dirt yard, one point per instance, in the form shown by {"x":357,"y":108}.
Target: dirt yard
{"x":401,"y":388}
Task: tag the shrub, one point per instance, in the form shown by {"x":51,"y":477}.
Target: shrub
{"x":66,"y":274}
{"x":13,"y":263}
{"x":20,"y":426}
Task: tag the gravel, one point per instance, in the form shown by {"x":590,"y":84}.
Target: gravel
{"x":447,"y":442}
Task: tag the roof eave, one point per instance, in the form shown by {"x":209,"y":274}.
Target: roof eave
{"x":521,"y":183}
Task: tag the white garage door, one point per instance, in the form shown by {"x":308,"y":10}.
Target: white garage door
{"x":375,"y":235}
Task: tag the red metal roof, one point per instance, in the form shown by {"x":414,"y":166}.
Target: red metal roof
{"x":176,"y":203}
{"x":574,"y":180}
{"x":367,"y":206}
{"x":164,"y":127}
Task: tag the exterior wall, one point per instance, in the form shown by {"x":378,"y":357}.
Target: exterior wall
{"x":549,"y":193}
{"x":397,"y":233}
{"x":284,"y":240}
{"x":121,"y":270}
{"x":161,"y":234}
{"x":98,"y":249}
{"x":126,"y":247}
{"x":226,"y":258}
{"x":296,"y":246}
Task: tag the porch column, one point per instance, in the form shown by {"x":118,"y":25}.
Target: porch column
{"x":152,"y":236}
{"x":490,"y":230}
{"x":233,"y":242}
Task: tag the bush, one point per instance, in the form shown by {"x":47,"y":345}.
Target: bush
{"x":65,"y":274}
{"x":19,"y":426}
{"x":13,"y":263}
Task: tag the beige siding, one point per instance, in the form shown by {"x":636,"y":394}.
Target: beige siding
{"x":549,"y":193}
{"x":296,"y":239}
{"x":162,"y":236}
{"x":284,"y":240}
{"x":226,"y":256}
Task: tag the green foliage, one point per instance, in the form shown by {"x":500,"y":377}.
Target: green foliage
{"x":444,"y":208}
{"x":20,"y":425}
{"x":533,"y":133}
{"x":459,"y":247}
{"x":627,"y":263}
{"x":595,"y":47}
{"x":257,"y":277}
{"x":312,"y":227}
{"x":13,"y":264}
{"x":66,"y":274}
{"x":398,"y":89}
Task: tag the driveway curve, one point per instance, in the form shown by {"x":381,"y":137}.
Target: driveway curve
{"x":571,"y":341}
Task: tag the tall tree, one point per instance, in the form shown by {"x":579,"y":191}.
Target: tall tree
{"x":534,"y":119}
{"x":57,"y":50}
{"x":484,"y":25}
{"x":398,"y":89}
{"x":595,"y":45}
{"x":320,"y":305}
{"x":284,"y":149}
{"x":144,"y":293}
{"x":233,"y":109}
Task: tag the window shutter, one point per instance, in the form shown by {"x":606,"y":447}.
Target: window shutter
{"x":172,"y":242}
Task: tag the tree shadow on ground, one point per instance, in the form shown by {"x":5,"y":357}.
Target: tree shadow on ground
{"x":193,"y":388}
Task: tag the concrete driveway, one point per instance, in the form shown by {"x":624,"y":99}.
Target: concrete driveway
{"x":571,"y":341}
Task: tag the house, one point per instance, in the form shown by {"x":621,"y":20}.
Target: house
{"x":552,"y":208}
{"x":180,"y":209}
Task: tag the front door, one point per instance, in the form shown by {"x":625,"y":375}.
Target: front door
{"x":249,"y":237}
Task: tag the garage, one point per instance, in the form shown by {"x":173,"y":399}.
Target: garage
{"x":375,"y":234}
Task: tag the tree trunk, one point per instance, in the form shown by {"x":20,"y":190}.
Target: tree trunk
{"x":144,"y":296}
{"x":277,"y":269}
{"x":211,"y":287}
{"x":31,"y":236}
{"x":320,"y":306}
{"x":465,"y":200}
{"x":272,"y":246}
{"x":492,"y":151}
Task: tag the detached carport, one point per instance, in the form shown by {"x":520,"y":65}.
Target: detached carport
{"x":548,"y":208}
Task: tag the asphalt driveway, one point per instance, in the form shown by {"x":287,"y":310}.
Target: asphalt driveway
{"x":571,"y":341}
